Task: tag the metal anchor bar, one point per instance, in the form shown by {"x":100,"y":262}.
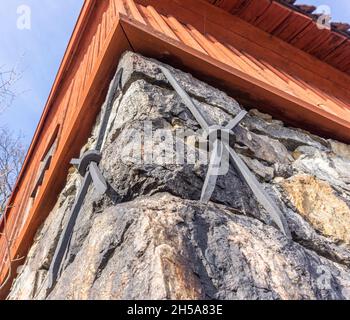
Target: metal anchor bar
{"x":89,"y":162}
{"x":64,"y":240}
{"x":217,"y":155}
{"x":211,"y":179}
{"x":88,"y":168}
{"x":98,"y":179}
{"x":186,"y":98}
{"x":216,"y":158}
{"x":259,"y":192}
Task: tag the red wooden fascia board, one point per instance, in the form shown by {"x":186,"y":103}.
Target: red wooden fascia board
{"x":74,"y":139}
{"x":64,"y":66}
{"x":147,"y":41}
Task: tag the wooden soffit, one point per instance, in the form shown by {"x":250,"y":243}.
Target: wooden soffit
{"x":298,"y":25}
{"x":260,"y":71}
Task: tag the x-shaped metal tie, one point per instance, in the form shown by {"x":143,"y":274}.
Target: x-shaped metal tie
{"x":220,"y":146}
{"x":88,"y":168}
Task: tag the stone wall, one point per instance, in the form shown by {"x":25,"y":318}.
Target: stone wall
{"x":150,"y":238}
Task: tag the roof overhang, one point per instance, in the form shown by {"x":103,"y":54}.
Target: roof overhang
{"x":128,"y":33}
{"x":236,"y":83}
{"x":297,"y":25}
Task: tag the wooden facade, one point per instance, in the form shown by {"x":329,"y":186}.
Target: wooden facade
{"x":256,"y":61}
{"x":295,"y":24}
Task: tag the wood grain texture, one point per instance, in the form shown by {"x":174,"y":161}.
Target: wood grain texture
{"x":297,"y":28}
{"x":248,"y":63}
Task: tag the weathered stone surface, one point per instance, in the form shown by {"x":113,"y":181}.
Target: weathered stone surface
{"x":163,"y":247}
{"x":166,"y":248}
{"x":323,"y":165}
{"x":136,"y":67}
{"x":290,"y":137}
{"x":150,"y":238}
{"x":340,"y":149}
{"x":132,"y":179}
{"x":316,"y":201}
{"x":40,"y":255}
{"x":264,"y":172}
{"x":262,"y":147}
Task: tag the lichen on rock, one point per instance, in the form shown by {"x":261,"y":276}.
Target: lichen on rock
{"x":318,"y":203}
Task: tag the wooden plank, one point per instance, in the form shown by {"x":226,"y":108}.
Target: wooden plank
{"x":161,"y":21}
{"x":182,"y":14}
{"x":274,"y":15}
{"x":119,"y":7}
{"x":346,"y":65}
{"x":206,"y":44}
{"x":328,"y":46}
{"x":268,"y":98}
{"x":133,"y":11}
{"x":233,"y":59}
{"x":253,"y":10}
{"x":231,"y":5}
{"x":104,"y":29}
{"x":270,"y":74}
{"x":279,"y":61}
{"x":340,"y":53}
{"x":148,"y":17}
{"x":254,"y":35}
{"x":72,"y":140}
{"x":306,"y":36}
{"x":294,"y":24}
{"x":183,"y":34}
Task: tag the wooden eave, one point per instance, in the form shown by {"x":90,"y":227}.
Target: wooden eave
{"x":294,"y":25}
{"x":249,"y":64}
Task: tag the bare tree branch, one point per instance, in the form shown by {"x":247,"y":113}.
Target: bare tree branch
{"x":11,"y":158}
{"x":12,"y":154}
{"x":8,"y":78}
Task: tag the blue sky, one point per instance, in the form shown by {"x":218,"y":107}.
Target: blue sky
{"x":340,"y":9}
{"x":39,"y":51}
